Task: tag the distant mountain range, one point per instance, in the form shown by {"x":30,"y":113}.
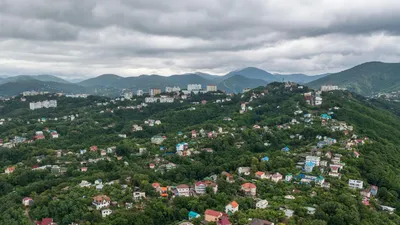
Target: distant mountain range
{"x":111,"y":84}
{"x":366,"y":79}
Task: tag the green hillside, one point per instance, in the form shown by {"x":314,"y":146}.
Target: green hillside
{"x":365,"y":79}
{"x":237,"y":83}
{"x":274,"y":117}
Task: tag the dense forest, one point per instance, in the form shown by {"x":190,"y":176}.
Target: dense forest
{"x":269,"y":129}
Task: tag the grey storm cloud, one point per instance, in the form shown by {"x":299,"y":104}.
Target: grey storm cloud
{"x":132,"y":37}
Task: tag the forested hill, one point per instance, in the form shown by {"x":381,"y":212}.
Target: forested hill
{"x":233,"y":142}
{"x":366,"y":79}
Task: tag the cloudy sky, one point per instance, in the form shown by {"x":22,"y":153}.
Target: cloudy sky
{"x":83,"y":38}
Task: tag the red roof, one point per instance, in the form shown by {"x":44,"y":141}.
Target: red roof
{"x":45,"y":221}
{"x":248,"y":185}
{"x":182,"y":186}
{"x":155,"y":185}
{"x":198,"y":183}
{"x":259,"y":173}
{"x":213,"y":213}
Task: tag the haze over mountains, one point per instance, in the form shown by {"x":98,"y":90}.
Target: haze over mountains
{"x":366,"y":79}
{"x":233,"y":82}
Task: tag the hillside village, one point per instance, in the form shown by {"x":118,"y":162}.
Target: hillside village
{"x":273,"y":155}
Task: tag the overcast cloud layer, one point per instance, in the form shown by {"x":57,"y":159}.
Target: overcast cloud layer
{"x":133,"y":37}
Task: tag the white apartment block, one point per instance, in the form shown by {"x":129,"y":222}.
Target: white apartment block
{"x":329,"y":88}
{"x":356,"y":184}
{"x":139,"y":92}
{"x":45,"y":104}
{"x":172,"y":89}
{"x":162,"y":99}
{"x":211,"y":88}
{"x":194,"y":87}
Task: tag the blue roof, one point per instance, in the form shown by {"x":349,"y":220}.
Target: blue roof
{"x":193,"y":214}
{"x":286,"y":148}
{"x":310,"y":163}
{"x":265,"y":158}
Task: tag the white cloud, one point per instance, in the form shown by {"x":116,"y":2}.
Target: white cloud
{"x":88,"y":38}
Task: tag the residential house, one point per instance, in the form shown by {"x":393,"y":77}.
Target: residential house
{"x":164,"y":191}
{"x":201,"y":186}
{"x":212,"y":215}
{"x":249,"y":189}
{"x":101,"y":201}
{"x":183,"y":190}
{"x":193,"y":215}
{"x":276,"y":177}
{"x":194,"y":134}
{"x":260,"y":222}
{"x":356,"y":154}
{"x":288,"y":212}
{"x":374,"y":190}
{"x":387,"y":208}
{"x":224,"y":220}
{"x":85,"y":183}
{"x":156,"y":186}
{"x":84,"y":169}
{"x":356,"y":184}
{"x":182,"y":146}
{"x":157,"y":139}
{"x":229,"y":177}
{"x":265,"y":159}
{"x":366,"y":193}
{"x":244,"y":171}
{"x":54,"y":134}
{"x":260,"y":175}
{"x":10,"y":169}
{"x":27,"y":201}
{"x":314,"y":159}
{"x":262,"y":204}
{"x":45,"y":221}
{"x":310,"y":210}
{"x":288,"y":177}
{"x":138,"y":195}
{"x":232,"y":207}
{"x":106,"y":212}
{"x":93,"y":148}
{"x":285,"y":149}
{"x":309,"y":166}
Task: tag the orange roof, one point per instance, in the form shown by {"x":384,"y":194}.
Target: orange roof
{"x":164,"y":189}
{"x":155,"y":185}
{"x":100,"y":198}
{"x":234,"y":204}
{"x":259,"y":173}
{"x":248,"y":185}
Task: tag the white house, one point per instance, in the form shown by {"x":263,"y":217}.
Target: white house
{"x":277,"y":177}
{"x":106,"y":212}
{"x":27,"y":201}
{"x":138,"y":195}
{"x":244,"y":171}
{"x":356,"y":184}
{"x":101,"y":201}
{"x":262,"y":204}
{"x":183,"y":190}
{"x":232,"y":207}
{"x":314,"y":159}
